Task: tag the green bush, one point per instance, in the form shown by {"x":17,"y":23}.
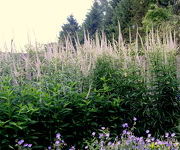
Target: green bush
{"x":156,"y":16}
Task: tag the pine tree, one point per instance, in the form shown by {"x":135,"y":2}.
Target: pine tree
{"x":128,"y":12}
{"x":114,"y":3}
{"x":69,"y":30}
{"x":94,"y":19}
{"x":176,"y":7}
{"x":165,"y":3}
{"x":108,"y":22}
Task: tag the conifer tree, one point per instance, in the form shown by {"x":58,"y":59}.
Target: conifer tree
{"x":69,"y":30}
{"x":94,"y":19}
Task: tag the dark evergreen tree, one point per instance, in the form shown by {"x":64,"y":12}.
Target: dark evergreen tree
{"x":108,"y":23}
{"x":129,"y":13}
{"x":114,"y":3}
{"x":94,"y":19}
{"x":166,"y":3}
{"x":176,"y":7}
{"x":70,"y":29}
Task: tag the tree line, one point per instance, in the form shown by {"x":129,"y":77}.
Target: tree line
{"x":104,"y":16}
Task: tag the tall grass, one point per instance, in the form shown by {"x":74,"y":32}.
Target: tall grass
{"x":100,"y":83}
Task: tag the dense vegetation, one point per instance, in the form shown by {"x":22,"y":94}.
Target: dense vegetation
{"x":144,"y":14}
{"x":76,"y":92}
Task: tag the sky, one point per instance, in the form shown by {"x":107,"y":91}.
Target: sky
{"x":37,"y":20}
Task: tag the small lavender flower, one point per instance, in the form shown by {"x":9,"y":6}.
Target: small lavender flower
{"x":20,"y":142}
{"x":168,"y":145}
{"x":58,"y":135}
{"x":109,"y":143}
{"x":147,"y":131}
{"x":57,"y":142}
{"x":103,"y":128}
{"x":29,"y":145}
{"x":128,"y":133}
{"x":72,"y":148}
{"x":128,"y":142}
{"x":159,"y":142}
{"x":49,"y":147}
{"x":152,"y":139}
{"x":25,"y":145}
{"x":135,"y":119}
{"x":86,"y":147}
{"x":125,"y":125}
{"x":93,"y":134}
{"x":173,"y":135}
{"x":124,"y":131}
{"x":167,"y":135}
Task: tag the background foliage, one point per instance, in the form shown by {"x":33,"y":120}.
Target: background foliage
{"x":105,"y":14}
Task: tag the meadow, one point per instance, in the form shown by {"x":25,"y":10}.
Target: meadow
{"x":92,"y":93}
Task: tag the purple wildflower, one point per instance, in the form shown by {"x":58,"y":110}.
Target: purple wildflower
{"x":152,"y":139}
{"x":135,"y":119}
{"x":168,"y":145}
{"x":25,"y":145}
{"x":125,"y":125}
{"x":147,"y":131}
{"x":159,"y":142}
{"x":29,"y":145}
{"x":128,"y":132}
{"x":20,"y":142}
{"x":167,"y":135}
{"x":103,"y":128}
{"x":49,"y":147}
{"x":72,"y":148}
{"x":93,"y":134}
{"x":57,"y":142}
{"x":58,"y":135}
{"x":109,"y":143}
{"x":86,"y":147}
{"x":124,"y":131}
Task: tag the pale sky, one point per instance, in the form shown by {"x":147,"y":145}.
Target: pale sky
{"x":38,"y":20}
